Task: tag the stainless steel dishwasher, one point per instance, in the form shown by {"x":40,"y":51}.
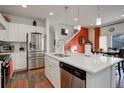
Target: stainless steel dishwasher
{"x":72,"y":77}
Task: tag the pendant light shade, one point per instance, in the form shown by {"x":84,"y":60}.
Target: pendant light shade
{"x":98,"y":19}
{"x":66,"y":30}
{"x":78,"y":26}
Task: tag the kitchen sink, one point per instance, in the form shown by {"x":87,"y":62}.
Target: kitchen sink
{"x":61,"y":55}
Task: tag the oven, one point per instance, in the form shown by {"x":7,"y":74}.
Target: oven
{"x":3,"y":74}
{"x":5,"y":61}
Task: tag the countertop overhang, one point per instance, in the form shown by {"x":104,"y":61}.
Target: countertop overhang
{"x":91,"y":64}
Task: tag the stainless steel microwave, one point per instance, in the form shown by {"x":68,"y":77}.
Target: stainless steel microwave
{"x":9,"y":48}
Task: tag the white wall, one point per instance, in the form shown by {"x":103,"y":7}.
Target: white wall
{"x":47,"y":36}
{"x":61,"y":39}
{"x":104,"y":43}
{"x":52,"y":39}
{"x":25,"y":20}
{"x":91,"y":36}
{"x":119,"y":29}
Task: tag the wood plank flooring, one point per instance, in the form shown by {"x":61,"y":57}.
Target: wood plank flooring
{"x":44,"y":84}
{"x":37,"y":79}
{"x":29,"y":79}
{"x":20,"y":84}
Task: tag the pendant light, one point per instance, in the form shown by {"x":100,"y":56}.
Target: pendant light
{"x":66,"y":10}
{"x":78,"y":26}
{"x":98,"y":19}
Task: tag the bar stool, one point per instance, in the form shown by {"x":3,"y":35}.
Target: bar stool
{"x":120,"y":55}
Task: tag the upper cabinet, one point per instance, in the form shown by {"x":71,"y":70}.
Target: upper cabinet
{"x":3,"y":35}
{"x":3,"y":23}
{"x":17,"y":32}
{"x":13,"y":32}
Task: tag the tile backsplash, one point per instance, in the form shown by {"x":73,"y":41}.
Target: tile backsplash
{"x":19,"y":46}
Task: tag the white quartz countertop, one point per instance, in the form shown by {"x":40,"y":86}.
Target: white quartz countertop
{"x":91,"y":64}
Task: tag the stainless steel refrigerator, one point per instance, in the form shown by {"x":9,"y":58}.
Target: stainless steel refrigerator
{"x":35,"y":50}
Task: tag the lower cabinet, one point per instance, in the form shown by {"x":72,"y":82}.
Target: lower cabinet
{"x":52,"y":71}
{"x":19,"y":60}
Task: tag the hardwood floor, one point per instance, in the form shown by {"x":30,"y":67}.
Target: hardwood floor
{"x":37,"y":79}
{"x":20,"y":84}
{"x":29,"y":79}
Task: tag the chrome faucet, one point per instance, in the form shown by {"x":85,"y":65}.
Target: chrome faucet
{"x":59,"y":43}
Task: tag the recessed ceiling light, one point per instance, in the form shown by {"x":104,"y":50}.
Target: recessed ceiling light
{"x":51,"y":13}
{"x":75,"y":19}
{"x":25,"y":6}
{"x":122,"y":15}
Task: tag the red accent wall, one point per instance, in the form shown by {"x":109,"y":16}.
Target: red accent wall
{"x":96,"y":38}
{"x":74,"y":41}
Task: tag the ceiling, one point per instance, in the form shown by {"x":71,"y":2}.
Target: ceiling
{"x":88,"y":13}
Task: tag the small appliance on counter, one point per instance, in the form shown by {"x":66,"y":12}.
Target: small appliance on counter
{"x":22,"y":49}
{"x":88,"y":48}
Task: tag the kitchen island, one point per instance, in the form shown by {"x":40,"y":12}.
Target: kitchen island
{"x":100,"y":70}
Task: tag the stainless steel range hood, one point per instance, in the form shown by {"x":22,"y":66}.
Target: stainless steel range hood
{"x":3,"y":23}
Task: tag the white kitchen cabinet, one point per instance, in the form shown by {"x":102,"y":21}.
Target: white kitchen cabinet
{"x":52,"y":71}
{"x":39,"y":29}
{"x":23,"y":29}
{"x":17,"y":32}
{"x":19,"y":60}
{"x":13,"y":32}
{"x":3,"y":35}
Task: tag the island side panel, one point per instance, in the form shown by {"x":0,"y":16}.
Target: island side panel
{"x":113,"y":76}
{"x":102,"y":79}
